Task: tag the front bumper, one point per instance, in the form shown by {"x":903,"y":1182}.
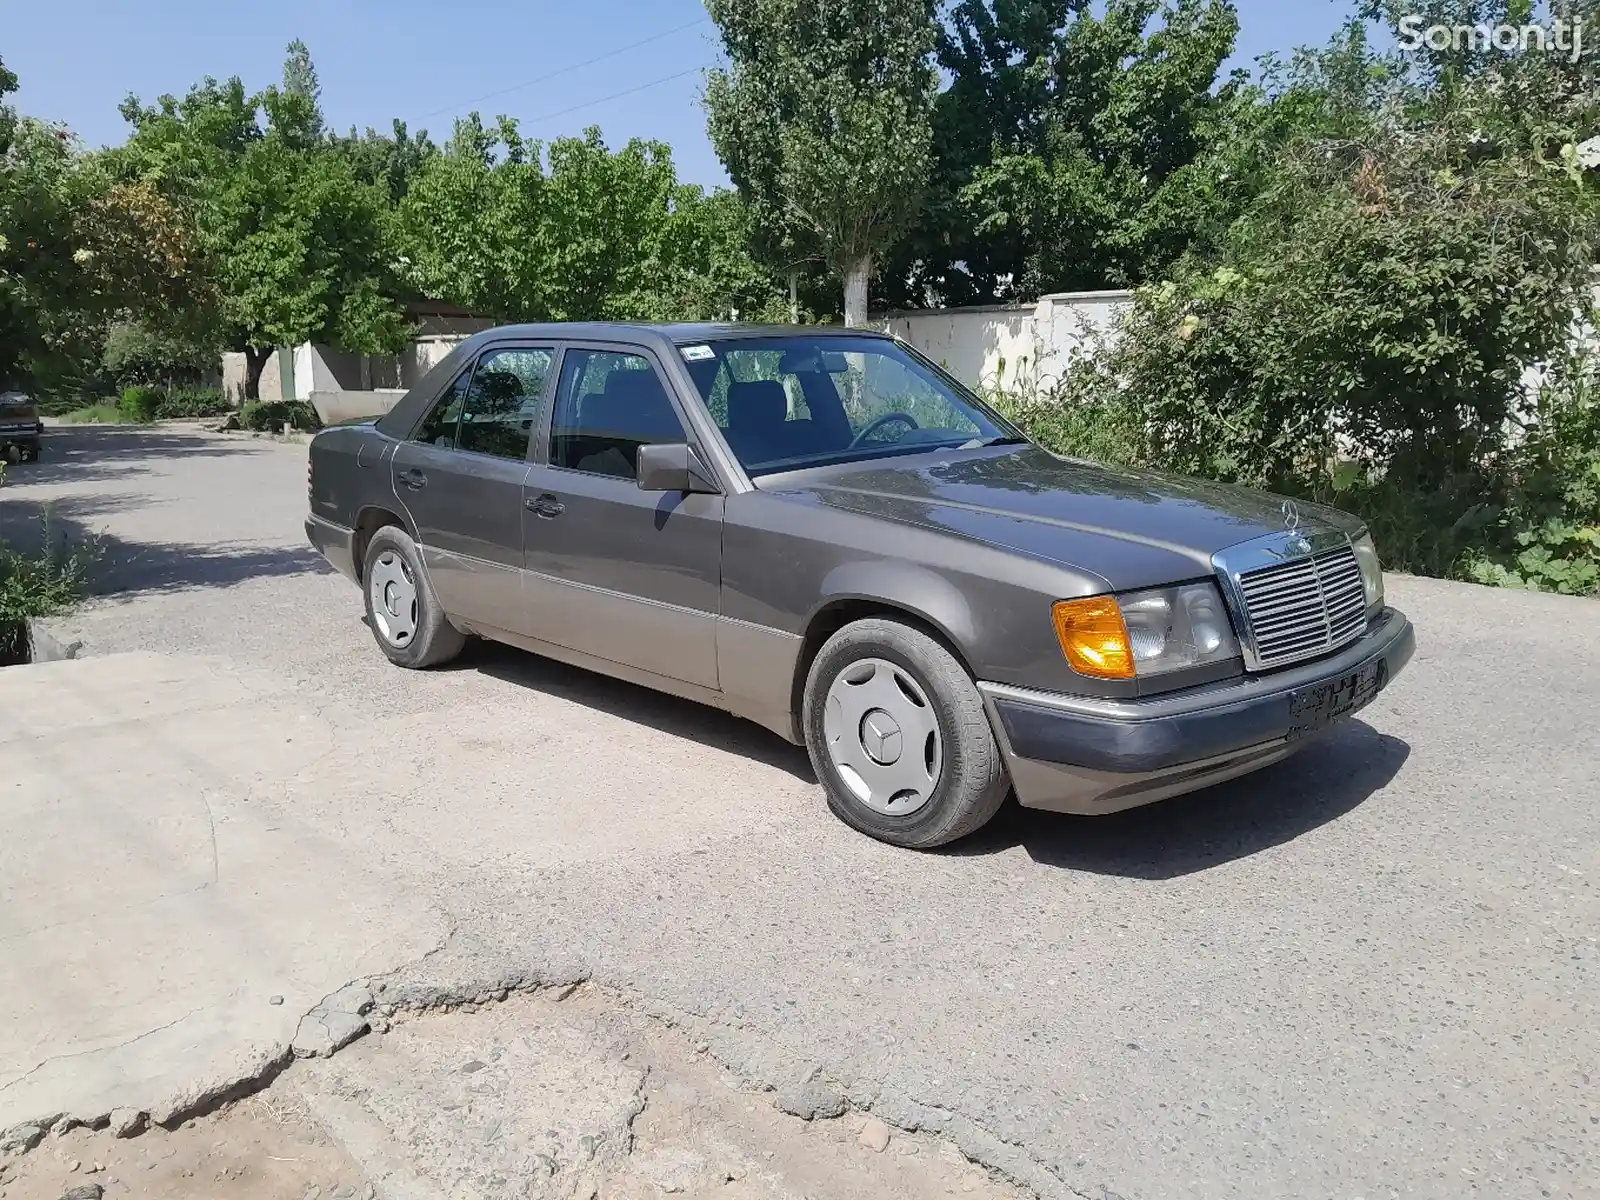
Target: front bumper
{"x":1079,"y":754}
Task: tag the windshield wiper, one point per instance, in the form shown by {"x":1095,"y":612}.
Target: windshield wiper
{"x":985,"y":443}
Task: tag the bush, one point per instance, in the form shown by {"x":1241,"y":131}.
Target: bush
{"x":35,"y":586}
{"x":274,"y":416}
{"x":1364,"y":337}
{"x":192,"y":403}
{"x":1544,"y":534}
{"x":141,"y":404}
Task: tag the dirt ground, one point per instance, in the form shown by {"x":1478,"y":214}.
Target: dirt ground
{"x":266,"y":1147}
{"x":571,"y":1095}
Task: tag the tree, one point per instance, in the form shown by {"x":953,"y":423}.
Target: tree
{"x":601,"y":235}
{"x":295,"y":246}
{"x":1365,"y":332}
{"x":1073,"y":146}
{"x":388,"y":160}
{"x":823,"y":116}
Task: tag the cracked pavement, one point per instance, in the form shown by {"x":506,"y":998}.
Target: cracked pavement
{"x":1368,"y":971}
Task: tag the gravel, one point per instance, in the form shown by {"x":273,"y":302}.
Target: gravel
{"x":1370,"y":969}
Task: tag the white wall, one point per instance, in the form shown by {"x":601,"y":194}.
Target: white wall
{"x":1014,"y":348}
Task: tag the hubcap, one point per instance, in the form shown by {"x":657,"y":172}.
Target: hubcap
{"x":394,"y":599}
{"x":883,"y":737}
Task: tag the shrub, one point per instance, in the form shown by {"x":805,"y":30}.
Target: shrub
{"x":193,"y":402}
{"x":35,"y":586}
{"x":141,"y":404}
{"x":1363,"y":338}
{"x":1544,"y":534}
{"x":274,"y":416}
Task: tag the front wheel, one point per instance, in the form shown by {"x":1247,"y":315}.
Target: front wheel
{"x":406,"y":617}
{"x":898,"y":736}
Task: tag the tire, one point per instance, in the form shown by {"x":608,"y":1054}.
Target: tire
{"x":403,"y":611}
{"x":879,"y":668}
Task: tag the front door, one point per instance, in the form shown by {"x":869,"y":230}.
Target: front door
{"x":629,"y":576}
{"x":460,"y":479}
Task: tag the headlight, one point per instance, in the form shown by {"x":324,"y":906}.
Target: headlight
{"x":1371,"y":570}
{"x":1146,"y":633}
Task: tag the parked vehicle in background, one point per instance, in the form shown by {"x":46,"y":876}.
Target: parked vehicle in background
{"x":21,"y":430}
{"x":819,"y":530}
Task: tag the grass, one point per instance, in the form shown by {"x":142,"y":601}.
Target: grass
{"x":43,"y":585}
{"x":105,"y":413}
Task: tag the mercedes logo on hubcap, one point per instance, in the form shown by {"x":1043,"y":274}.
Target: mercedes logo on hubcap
{"x":880,"y":737}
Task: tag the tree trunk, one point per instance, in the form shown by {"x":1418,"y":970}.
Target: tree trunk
{"x":855,"y":292}
{"x":794,"y":297}
{"x":255,"y":362}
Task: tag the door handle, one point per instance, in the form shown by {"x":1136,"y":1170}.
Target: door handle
{"x":414,"y":479}
{"x":546,"y":506}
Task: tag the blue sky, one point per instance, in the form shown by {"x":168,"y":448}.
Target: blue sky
{"x":429,"y":62}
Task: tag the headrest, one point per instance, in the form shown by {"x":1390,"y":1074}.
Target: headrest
{"x":760,"y":404}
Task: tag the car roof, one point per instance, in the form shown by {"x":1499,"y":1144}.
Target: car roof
{"x":678,"y":334}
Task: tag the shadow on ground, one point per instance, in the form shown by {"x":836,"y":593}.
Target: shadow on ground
{"x":1329,"y":778}
{"x":681,"y":718}
{"x":123,"y":567}
{"x":89,"y":453}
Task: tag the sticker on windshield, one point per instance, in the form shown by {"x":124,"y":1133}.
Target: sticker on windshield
{"x":698,"y":353}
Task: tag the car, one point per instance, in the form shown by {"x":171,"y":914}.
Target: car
{"x":820,"y":530}
{"x":21,"y":430}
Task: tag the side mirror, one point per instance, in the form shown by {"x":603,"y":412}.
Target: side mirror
{"x":673,"y":467}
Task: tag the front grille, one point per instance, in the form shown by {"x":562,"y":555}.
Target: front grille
{"x":1305,"y":608}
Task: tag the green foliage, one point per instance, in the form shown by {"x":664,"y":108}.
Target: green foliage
{"x":294,"y":244}
{"x":601,"y":235}
{"x":1363,"y":333}
{"x":278,"y":416}
{"x":1545,"y":535}
{"x":140,"y":404}
{"x":822,"y":119}
{"x":134,"y":353}
{"x":1080,"y":147}
{"x":192,"y":403}
{"x":33,"y":586}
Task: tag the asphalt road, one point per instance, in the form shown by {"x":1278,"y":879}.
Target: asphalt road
{"x":1368,"y":972}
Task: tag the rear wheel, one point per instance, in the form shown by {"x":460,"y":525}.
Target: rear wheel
{"x":407,"y":620}
{"x":898,"y":736}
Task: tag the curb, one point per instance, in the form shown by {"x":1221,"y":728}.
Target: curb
{"x":45,"y":647}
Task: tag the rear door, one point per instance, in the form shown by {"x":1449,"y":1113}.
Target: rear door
{"x":629,"y":576}
{"x":460,"y":479}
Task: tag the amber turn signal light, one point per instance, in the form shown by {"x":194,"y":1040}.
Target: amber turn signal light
{"x":1094,"y":637}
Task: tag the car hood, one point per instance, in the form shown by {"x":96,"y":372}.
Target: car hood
{"x":1132,"y":528}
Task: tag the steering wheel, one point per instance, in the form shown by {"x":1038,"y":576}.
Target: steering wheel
{"x":906,"y":418}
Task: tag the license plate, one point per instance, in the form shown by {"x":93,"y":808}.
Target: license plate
{"x":1315,"y":708}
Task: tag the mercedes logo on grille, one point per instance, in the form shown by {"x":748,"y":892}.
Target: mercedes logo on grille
{"x":1291,"y":516}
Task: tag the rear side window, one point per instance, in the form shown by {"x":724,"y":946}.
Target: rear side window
{"x":608,"y":404}
{"x":438,"y":428}
{"x":502,"y":403}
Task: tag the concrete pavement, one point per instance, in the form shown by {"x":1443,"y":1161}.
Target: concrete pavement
{"x":1368,"y":971}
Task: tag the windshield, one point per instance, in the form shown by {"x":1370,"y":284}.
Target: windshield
{"x":790,"y":402}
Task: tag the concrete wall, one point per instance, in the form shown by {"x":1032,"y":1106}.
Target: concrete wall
{"x":1015,"y":348}
{"x":318,"y":369}
{"x":336,"y":406}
